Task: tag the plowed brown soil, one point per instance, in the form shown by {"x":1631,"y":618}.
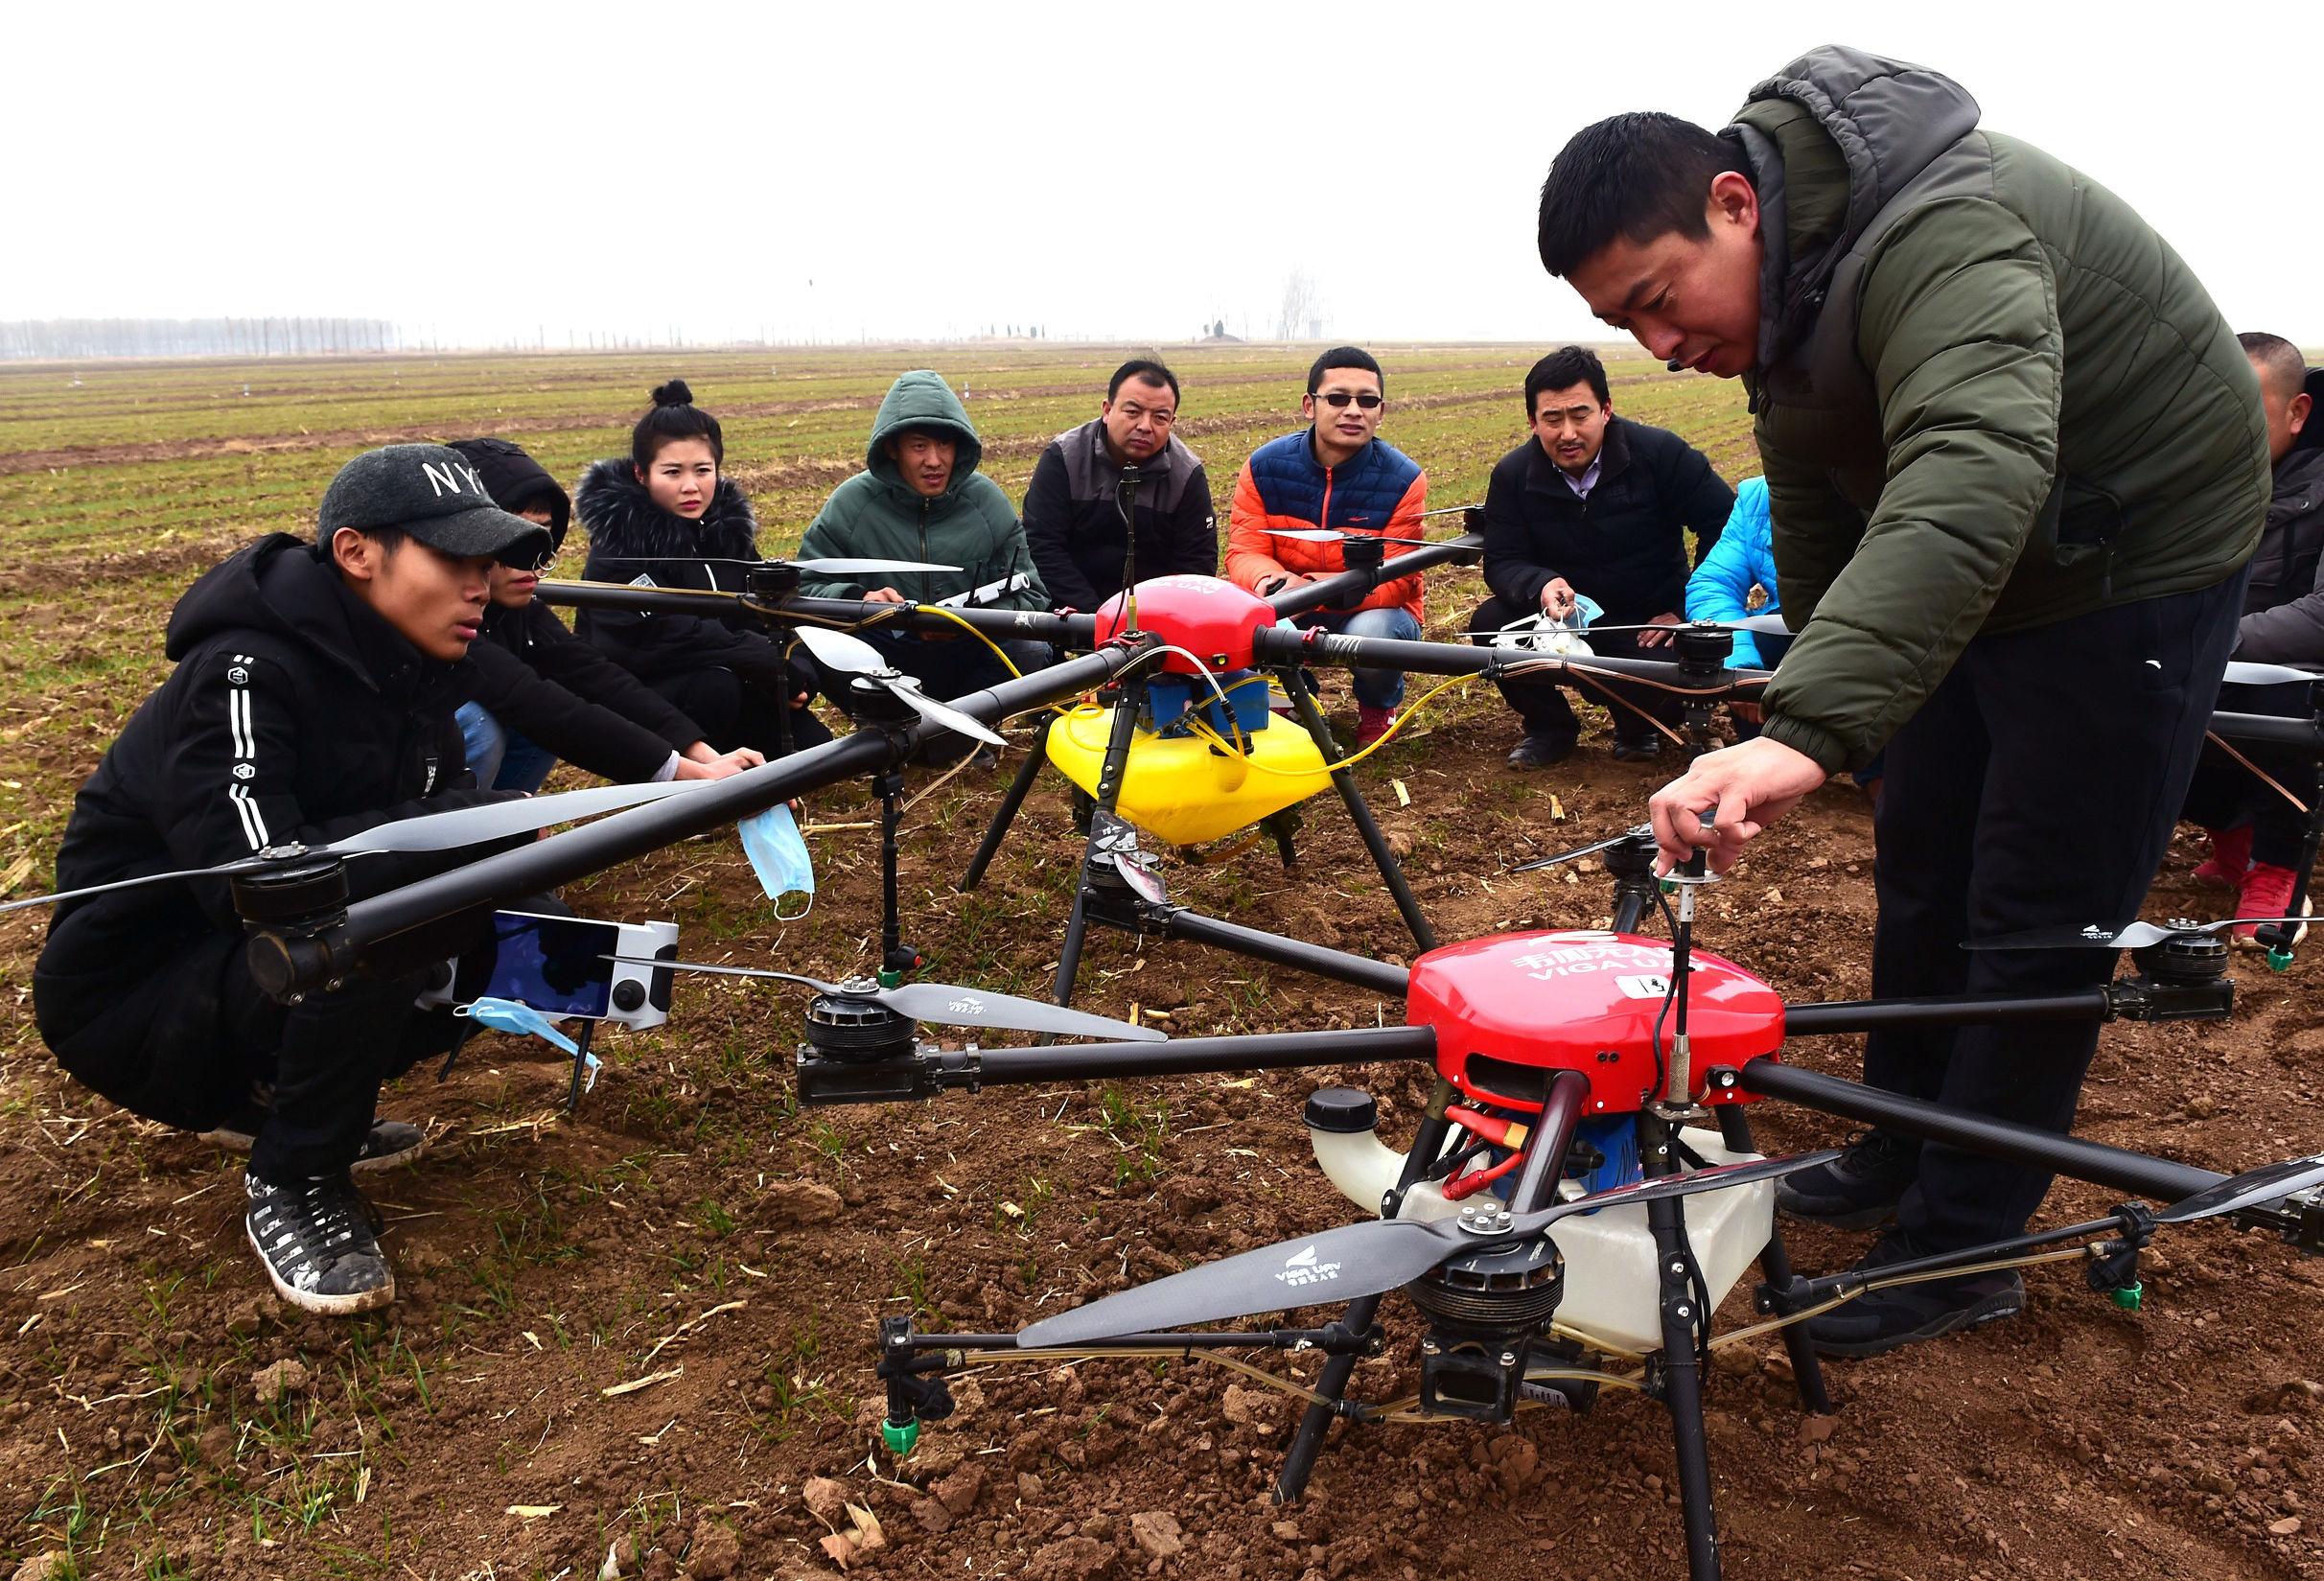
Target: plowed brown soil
{"x":691,"y":1227}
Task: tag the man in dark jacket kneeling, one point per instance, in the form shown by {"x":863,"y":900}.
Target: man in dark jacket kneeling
{"x":1593,"y":506}
{"x":313,"y":699}
{"x":1074,"y":507}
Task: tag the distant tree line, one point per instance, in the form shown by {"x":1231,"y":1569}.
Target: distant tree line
{"x":26,"y":340}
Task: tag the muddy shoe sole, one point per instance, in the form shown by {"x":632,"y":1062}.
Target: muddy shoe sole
{"x":390,"y":1143}
{"x":317,"y":1301}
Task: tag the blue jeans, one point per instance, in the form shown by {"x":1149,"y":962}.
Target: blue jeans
{"x":1374,"y":688}
{"x":502,"y":759}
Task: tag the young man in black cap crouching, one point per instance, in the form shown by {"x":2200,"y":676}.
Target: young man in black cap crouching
{"x":313,"y":699}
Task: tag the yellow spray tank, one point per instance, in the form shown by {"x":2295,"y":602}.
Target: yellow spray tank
{"x":1182,"y":788}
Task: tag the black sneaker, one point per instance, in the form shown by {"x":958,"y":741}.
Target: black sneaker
{"x":1639,"y":749}
{"x":1539,"y":752}
{"x":1882,"y":1321}
{"x":391,"y":1142}
{"x":1856,"y":1191}
{"x":316,"y":1242}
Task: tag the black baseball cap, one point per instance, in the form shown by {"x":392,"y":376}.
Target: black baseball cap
{"x":434,"y":494}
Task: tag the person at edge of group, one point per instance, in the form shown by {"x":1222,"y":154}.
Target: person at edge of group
{"x":667,"y":516}
{"x":921,"y":498}
{"x":2256,"y":836}
{"x":1958,"y":351}
{"x":538,"y":692}
{"x":1335,"y":474}
{"x":1595,"y":506}
{"x":1073,"y":517}
{"x":313,"y":699}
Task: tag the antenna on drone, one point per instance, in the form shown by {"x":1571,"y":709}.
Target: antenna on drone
{"x":1126,"y":501}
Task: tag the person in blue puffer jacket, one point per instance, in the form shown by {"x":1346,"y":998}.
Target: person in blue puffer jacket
{"x":1720,"y":588}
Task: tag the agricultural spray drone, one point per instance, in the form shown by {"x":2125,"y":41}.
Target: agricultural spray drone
{"x":1582,"y":1191}
{"x":1588,"y":1084}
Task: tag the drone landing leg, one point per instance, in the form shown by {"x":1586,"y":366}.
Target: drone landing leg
{"x":1681,"y":1367}
{"x":896,"y":956}
{"x":573,"y":1094}
{"x":1299,"y":1463}
{"x":1775,"y":1263}
{"x":1110,"y":791}
{"x":1018,"y":788}
{"x":1344,"y":780}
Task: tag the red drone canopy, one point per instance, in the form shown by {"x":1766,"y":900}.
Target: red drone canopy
{"x":1208,"y":618}
{"x":1505,"y":1006}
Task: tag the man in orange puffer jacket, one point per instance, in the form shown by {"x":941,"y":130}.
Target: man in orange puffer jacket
{"x":1335,"y":473}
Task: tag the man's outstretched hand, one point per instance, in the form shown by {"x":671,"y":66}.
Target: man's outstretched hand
{"x":1750,"y":786}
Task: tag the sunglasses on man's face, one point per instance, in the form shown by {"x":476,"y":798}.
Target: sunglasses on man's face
{"x":1340,"y":398}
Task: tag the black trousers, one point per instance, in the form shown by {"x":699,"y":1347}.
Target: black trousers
{"x":1543,"y":708}
{"x":185,"y":1042}
{"x":732,"y":713}
{"x":2036,"y":787}
{"x":2226,"y":795}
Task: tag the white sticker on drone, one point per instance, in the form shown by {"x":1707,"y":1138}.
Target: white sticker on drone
{"x":1302,"y":1269}
{"x":1642,"y":987}
{"x":966,"y":1005}
{"x":1574,"y":960}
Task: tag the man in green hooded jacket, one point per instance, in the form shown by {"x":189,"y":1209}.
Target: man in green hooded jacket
{"x":2016,"y":463}
{"x":921,"y":496}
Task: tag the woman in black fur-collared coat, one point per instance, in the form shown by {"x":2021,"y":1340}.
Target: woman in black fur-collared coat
{"x":664,"y":516}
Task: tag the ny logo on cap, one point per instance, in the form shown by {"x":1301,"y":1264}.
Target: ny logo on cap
{"x":449,"y":480}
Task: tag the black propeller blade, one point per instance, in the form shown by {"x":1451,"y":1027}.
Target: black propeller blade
{"x":1356,"y":1259}
{"x":2258,"y":1188}
{"x":943,"y":1003}
{"x":1641,"y":832}
{"x":435,"y":832}
{"x":2137,"y":936}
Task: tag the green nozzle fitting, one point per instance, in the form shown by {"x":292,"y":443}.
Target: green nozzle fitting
{"x":2279,"y":960}
{"x":900,"y":1438}
{"x":891,"y":978}
{"x":1670,"y":885}
{"x":2130,"y":1297}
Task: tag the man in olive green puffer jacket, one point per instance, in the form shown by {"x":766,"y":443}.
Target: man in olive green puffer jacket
{"x":921,"y":498}
{"x":2016,"y":464}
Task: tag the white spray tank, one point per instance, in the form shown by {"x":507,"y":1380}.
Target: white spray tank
{"x":1612,"y":1291}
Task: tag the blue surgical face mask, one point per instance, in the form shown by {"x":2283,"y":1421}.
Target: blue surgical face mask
{"x":779,"y":855}
{"x":516,"y":1016}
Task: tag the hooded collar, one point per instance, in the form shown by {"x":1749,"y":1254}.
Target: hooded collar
{"x":1888,"y":120}
{"x":921,"y":399}
{"x":621,"y":519}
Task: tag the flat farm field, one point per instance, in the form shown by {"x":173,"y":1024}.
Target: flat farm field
{"x":635,"y":1336}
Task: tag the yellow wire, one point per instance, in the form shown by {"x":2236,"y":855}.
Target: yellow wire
{"x":1202,"y":729}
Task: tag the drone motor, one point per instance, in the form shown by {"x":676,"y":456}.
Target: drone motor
{"x":1484,"y":1312}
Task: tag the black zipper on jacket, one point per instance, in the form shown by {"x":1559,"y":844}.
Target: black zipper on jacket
{"x":925,"y":591}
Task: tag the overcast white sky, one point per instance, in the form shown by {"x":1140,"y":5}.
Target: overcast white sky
{"x":900,"y":171}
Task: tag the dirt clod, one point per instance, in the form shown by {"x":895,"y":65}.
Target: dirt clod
{"x":272,"y":1381}
{"x":714,"y":1551}
{"x":1157,"y":1533}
